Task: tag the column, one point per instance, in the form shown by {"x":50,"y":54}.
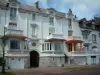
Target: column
{"x":80,"y":46}
{"x":73,"y":47}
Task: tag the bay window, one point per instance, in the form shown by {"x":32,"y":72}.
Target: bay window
{"x":14,"y":44}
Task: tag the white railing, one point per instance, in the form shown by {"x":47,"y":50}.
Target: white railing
{"x":52,"y":52}
{"x":83,"y":53}
{"x":17,"y":51}
{"x":60,"y":36}
{"x":13,"y":31}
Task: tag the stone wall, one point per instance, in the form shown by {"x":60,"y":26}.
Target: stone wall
{"x":51,"y":61}
{"x":27,"y":62}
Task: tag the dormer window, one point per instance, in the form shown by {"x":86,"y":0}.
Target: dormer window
{"x":51,"y":20}
{"x":51,"y":12}
{"x":13,"y":13}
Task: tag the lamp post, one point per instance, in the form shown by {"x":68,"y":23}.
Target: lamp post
{"x":3,"y":40}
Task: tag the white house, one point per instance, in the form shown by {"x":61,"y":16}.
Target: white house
{"x":38,"y":37}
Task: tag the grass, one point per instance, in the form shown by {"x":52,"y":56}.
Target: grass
{"x":8,"y":73}
{"x":80,"y":68}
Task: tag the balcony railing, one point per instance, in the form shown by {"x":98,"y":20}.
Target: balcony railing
{"x":83,"y":53}
{"x":60,"y":36}
{"x":17,"y":51}
{"x":13,"y":31}
{"x":52,"y":52}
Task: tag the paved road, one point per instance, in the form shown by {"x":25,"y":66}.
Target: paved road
{"x":57,"y":71}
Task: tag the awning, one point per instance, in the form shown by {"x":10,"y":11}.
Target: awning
{"x":14,"y":36}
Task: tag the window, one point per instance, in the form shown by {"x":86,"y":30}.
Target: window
{"x":99,"y":34}
{"x":13,"y":13}
{"x":51,"y":21}
{"x":51,"y":30}
{"x":85,"y":36}
{"x":14,"y":44}
{"x":12,"y":26}
{"x":26,"y":45}
{"x":0,"y":18}
{"x":93,"y":37}
{"x":46,"y":46}
{"x":57,"y":46}
{"x":70,"y":33}
{"x":33,"y":44}
{"x":69,"y":23}
{"x":93,"y":59}
{"x":42,"y":47}
{"x":33,"y":16}
{"x":33,"y":30}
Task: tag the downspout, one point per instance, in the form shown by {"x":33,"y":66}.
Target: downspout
{"x":42,"y":32}
{"x":27,"y":31}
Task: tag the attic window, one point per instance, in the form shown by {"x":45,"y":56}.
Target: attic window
{"x":13,"y":4}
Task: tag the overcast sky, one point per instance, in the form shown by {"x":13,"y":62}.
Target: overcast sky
{"x":81,"y":8}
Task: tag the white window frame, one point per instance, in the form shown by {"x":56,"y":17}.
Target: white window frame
{"x":51,"y":20}
{"x":93,"y":37}
{"x":0,"y":18}
{"x":58,"y":46}
{"x":51,"y":30}
{"x":47,"y":46}
{"x":70,"y":23}
{"x":33,"y":16}
{"x":13,"y":13}
{"x":12,"y":26}
{"x":33,"y":30}
{"x":70,"y":33}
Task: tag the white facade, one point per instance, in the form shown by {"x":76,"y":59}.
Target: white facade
{"x":31,"y":29}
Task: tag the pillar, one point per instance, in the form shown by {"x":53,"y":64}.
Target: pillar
{"x":80,"y":46}
{"x":73,"y":47}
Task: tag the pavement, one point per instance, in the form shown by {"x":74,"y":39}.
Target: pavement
{"x":56,"y":71}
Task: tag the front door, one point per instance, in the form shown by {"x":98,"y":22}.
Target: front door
{"x":34,"y":59}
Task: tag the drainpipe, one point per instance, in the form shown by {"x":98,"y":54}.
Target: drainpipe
{"x":27,"y":30}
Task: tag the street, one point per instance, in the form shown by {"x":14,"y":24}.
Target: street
{"x":57,"y":71}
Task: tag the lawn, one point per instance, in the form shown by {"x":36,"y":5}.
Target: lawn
{"x":8,"y":73}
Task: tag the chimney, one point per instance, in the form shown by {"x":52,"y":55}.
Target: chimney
{"x":36,"y":5}
{"x":70,"y":11}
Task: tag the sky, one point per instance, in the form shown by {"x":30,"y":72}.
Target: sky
{"x":81,"y":8}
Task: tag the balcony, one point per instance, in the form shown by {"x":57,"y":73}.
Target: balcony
{"x":52,"y":52}
{"x":15,"y":32}
{"x":74,"y":38}
{"x":83,"y":53}
{"x":59,"y":36}
{"x":17,"y":51}
{"x":87,"y":41}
